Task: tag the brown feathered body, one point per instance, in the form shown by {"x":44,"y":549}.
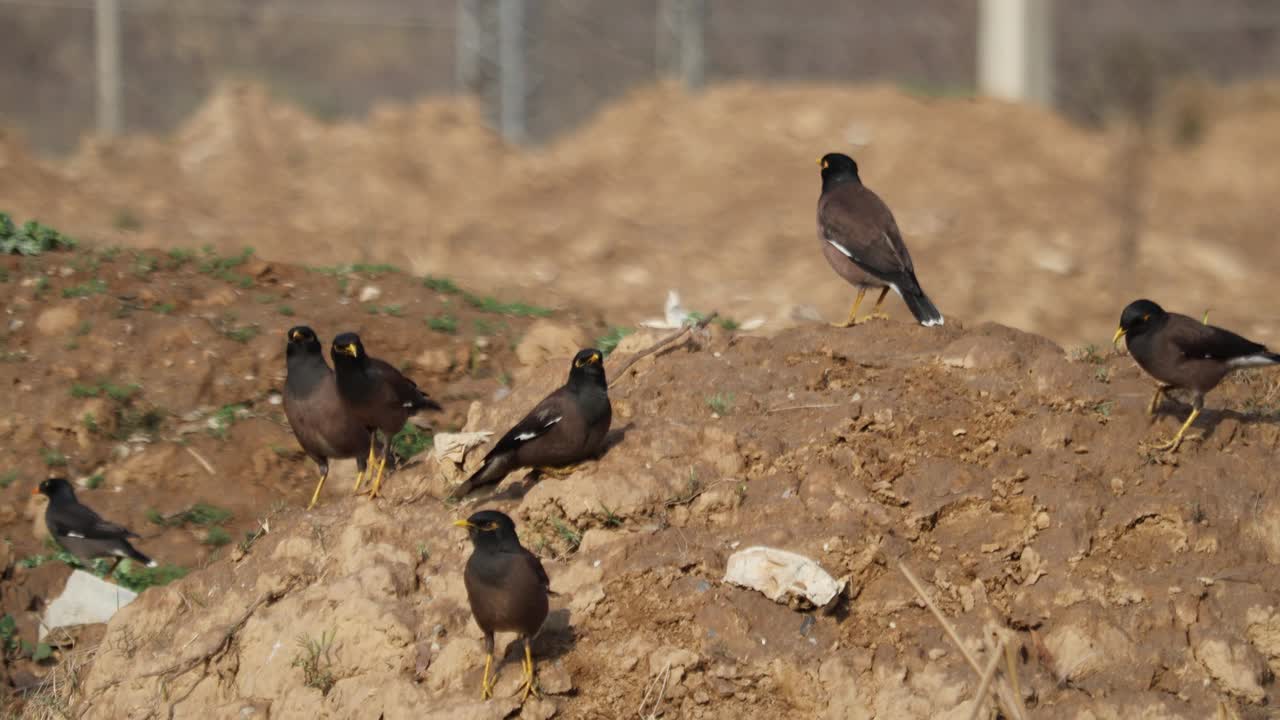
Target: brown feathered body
{"x":861,"y":241}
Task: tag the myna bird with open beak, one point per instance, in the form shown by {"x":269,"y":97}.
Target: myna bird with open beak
{"x":1184,"y":353}
{"x":566,"y":428}
{"x":324,"y":426}
{"x":507,"y":589}
{"x":379,"y":396}
{"x":82,"y":531}
{"x":861,"y":242}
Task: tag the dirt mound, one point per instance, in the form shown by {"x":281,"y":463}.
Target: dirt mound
{"x":1012,"y":214}
{"x":1007,"y":475}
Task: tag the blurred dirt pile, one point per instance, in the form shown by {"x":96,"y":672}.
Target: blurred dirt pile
{"x":1012,"y":214}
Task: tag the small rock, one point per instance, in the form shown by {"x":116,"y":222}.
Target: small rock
{"x":369,"y":293}
{"x":538,"y":709}
{"x":58,"y":320}
{"x":672,"y":657}
{"x":554,"y":679}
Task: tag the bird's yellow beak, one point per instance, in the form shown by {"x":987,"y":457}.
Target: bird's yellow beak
{"x":1116,"y":338}
{"x":295,"y":335}
{"x":461,"y":524}
{"x":823,"y":163}
{"x":595,"y":358}
{"x":349,"y":350}
{"x":35,"y":491}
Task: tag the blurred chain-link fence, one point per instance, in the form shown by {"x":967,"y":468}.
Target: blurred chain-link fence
{"x":337,"y":58}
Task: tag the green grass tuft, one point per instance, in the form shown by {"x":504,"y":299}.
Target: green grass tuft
{"x":609,"y":341}
{"x":443,"y":323}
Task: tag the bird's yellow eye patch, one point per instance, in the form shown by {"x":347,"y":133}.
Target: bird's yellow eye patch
{"x":489,"y":527}
{"x":1146,"y":317}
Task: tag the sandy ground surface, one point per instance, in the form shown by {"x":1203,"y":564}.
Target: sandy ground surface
{"x":1012,"y":214}
{"x":1012,"y":474}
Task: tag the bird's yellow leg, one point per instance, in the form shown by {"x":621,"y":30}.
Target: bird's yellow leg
{"x":559,"y":473}
{"x":530,"y":684}
{"x":853,"y":311}
{"x":486,"y":687}
{"x":368,"y":464}
{"x":876,"y":313}
{"x":1177,"y":439}
{"x":316,"y":495}
{"x":1155,"y":400}
{"x":382,"y":465}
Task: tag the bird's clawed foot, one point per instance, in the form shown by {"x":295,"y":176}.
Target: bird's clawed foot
{"x":1176,"y":442}
{"x":558,"y":473}
{"x":530,"y":686}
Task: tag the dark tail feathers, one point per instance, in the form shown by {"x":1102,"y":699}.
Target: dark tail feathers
{"x":494,"y":468}
{"x":134,"y":554}
{"x":925,"y":312}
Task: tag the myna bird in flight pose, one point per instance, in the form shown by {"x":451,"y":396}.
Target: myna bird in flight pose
{"x":567,"y":427}
{"x":82,"y":531}
{"x":1184,"y":353}
{"x":861,"y":242}
{"x":379,"y":396}
{"x":507,"y":589}
{"x":324,"y":426}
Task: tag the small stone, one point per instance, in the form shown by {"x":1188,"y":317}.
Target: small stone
{"x":58,"y":320}
{"x":1042,"y":520}
{"x":554,"y":679}
{"x":369,"y":293}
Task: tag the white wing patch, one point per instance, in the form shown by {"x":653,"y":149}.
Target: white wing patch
{"x":1256,"y":360}
{"x":75,"y":535}
{"x":840,"y":247}
{"x":535,"y":433}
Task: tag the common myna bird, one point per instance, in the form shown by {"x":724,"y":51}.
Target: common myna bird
{"x":1185,"y":353}
{"x":507,"y":588}
{"x":321,"y":421}
{"x":82,"y":531}
{"x":379,"y":396}
{"x":567,"y":427}
{"x":860,"y":240}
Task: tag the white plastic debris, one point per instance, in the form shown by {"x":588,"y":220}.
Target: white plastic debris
{"x":778,"y":574}
{"x":675,"y":315}
{"x":85,"y":600}
{"x":454,"y":446}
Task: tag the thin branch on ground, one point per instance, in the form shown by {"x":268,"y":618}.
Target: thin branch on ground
{"x":657,"y":701}
{"x":1004,"y":695}
{"x":664,"y":342}
{"x":200,"y":459}
{"x":980,"y":698}
{"x":820,"y":406}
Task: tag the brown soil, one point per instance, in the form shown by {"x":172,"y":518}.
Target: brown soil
{"x":1007,"y":472}
{"x":1012,"y":214}
{"x":1011,"y":478}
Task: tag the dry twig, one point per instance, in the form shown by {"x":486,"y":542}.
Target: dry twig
{"x":1011,"y":706}
{"x":980,"y":699}
{"x":664,"y":342}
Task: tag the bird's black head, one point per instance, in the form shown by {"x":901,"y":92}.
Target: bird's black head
{"x":347,"y":347}
{"x":55,"y":488}
{"x":302,"y":339}
{"x":1138,"y":317}
{"x":490,"y":529}
{"x":838,"y":168}
{"x":588,"y":366}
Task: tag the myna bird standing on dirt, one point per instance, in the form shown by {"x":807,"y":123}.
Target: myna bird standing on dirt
{"x":860,"y":240}
{"x":1184,"y":353}
{"x":567,"y":427}
{"x":507,"y":588}
{"x":321,"y":421}
{"x":82,"y":531}
{"x":379,"y":396}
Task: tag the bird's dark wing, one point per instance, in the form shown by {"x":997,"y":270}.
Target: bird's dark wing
{"x":536,"y":566}
{"x":406,"y":392}
{"x":1200,"y":341}
{"x":76,"y":520}
{"x":540,"y":420}
{"x":855,"y":221}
